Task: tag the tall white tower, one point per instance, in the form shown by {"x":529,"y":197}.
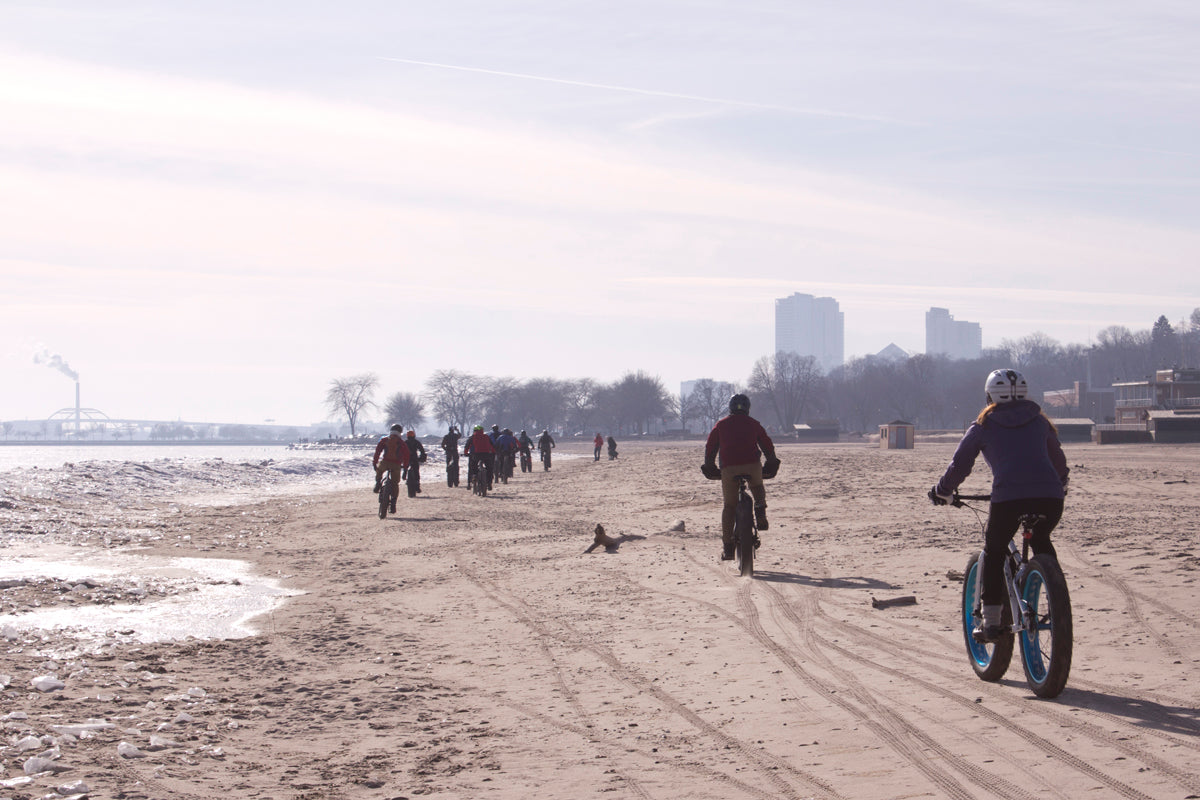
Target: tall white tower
{"x":811,"y":326}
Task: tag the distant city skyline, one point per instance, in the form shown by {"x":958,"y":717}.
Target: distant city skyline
{"x":811,"y":326}
{"x":944,"y":335}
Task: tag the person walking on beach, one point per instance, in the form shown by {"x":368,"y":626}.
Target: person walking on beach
{"x":598,"y":443}
{"x":738,"y":439}
{"x":392,"y":456}
{"x":612,"y":448}
{"x":1029,"y":476}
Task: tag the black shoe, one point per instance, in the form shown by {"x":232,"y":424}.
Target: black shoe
{"x":727,"y":553}
{"x":760,"y":518}
{"x":378,"y":486}
{"x":393,"y":508}
{"x":986,"y":634}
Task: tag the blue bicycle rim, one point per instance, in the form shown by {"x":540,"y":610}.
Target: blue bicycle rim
{"x":1033,"y":593}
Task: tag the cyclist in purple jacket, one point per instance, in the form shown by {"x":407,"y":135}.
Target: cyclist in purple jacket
{"x":1029,"y":476}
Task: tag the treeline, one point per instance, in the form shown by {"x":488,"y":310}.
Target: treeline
{"x":933,"y":392}
{"x":632,"y":405}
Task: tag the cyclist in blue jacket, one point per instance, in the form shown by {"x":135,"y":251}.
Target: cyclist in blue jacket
{"x":1029,"y":476}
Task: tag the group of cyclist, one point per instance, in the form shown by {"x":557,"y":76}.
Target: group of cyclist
{"x":496,"y":450}
{"x":1018,"y":442}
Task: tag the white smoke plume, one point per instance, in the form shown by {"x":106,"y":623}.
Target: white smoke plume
{"x":55,"y":362}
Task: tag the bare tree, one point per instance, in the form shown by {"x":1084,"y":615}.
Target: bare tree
{"x":580,"y":403}
{"x":542,"y":403}
{"x":709,"y":400}
{"x":637,"y":400}
{"x":350,"y":396}
{"x":456,"y":397}
{"x":500,"y":400}
{"x":404,"y":408}
{"x":787,"y":382}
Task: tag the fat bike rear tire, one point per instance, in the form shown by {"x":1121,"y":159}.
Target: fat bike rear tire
{"x":1046,"y":648}
{"x":744,"y":538}
{"x":990,"y":661}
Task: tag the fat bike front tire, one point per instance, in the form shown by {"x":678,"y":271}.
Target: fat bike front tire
{"x":990,"y":661}
{"x":1046,"y":647}
{"x":743,"y":534}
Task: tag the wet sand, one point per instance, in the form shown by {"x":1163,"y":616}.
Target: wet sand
{"x":469,"y":647}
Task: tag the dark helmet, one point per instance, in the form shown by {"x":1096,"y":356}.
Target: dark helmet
{"x":397,"y":429}
{"x":739,"y":404}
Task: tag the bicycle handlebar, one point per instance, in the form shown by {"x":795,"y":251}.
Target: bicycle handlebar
{"x":959,"y":498}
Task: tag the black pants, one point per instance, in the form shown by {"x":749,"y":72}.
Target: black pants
{"x":1003,"y":521}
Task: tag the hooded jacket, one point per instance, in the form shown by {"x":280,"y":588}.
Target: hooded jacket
{"x":1022,"y":449}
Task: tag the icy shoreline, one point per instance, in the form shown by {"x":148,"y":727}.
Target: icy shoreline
{"x":72,"y":542}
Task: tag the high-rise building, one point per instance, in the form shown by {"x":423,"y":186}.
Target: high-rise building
{"x":944,"y":335}
{"x":811,"y":326}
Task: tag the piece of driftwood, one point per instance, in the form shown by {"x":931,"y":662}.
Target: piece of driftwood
{"x":954,"y":575}
{"x":907,"y":600}
{"x":607,"y":542}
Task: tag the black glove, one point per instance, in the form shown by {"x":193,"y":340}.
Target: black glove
{"x":938,"y":499}
{"x":710,"y":470}
{"x":771,"y":468}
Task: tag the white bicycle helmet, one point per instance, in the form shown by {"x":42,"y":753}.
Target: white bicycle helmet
{"x":1005,"y":386}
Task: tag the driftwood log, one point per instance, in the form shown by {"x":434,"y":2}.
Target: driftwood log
{"x":607,"y":542}
{"x":907,"y":600}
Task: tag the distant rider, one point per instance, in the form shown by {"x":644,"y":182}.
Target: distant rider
{"x":525,"y":445}
{"x":545,"y":445}
{"x":1029,"y":476}
{"x":392,"y":455}
{"x":612,"y":448}
{"x":479,"y":450}
{"x":416,"y":452}
{"x":506,"y":451}
{"x":450,"y":447}
{"x":738,"y":438}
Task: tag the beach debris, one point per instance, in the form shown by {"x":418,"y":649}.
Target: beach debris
{"x":47,"y":683}
{"x":127,"y":750}
{"x":678,"y":526}
{"x":954,"y":575}
{"x":40,"y":764}
{"x":84,"y":729}
{"x":1181,"y":480}
{"x":74,"y":789}
{"x":906,"y":600}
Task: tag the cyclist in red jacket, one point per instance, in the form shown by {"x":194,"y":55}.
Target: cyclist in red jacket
{"x":392,"y":455}
{"x":739,"y":439}
{"x":478,"y":449}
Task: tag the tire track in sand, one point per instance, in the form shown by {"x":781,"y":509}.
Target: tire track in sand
{"x":770,"y":768}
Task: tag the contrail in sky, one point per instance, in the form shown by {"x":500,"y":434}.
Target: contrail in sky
{"x":650,"y":92}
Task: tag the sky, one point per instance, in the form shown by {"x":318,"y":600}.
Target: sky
{"x":208,"y":211}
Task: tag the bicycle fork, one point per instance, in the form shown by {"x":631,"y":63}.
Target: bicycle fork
{"x":1013,"y":577}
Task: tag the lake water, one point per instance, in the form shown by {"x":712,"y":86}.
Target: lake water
{"x":16,"y":456}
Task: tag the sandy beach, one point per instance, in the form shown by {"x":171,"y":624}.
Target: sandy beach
{"x":469,"y":647}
